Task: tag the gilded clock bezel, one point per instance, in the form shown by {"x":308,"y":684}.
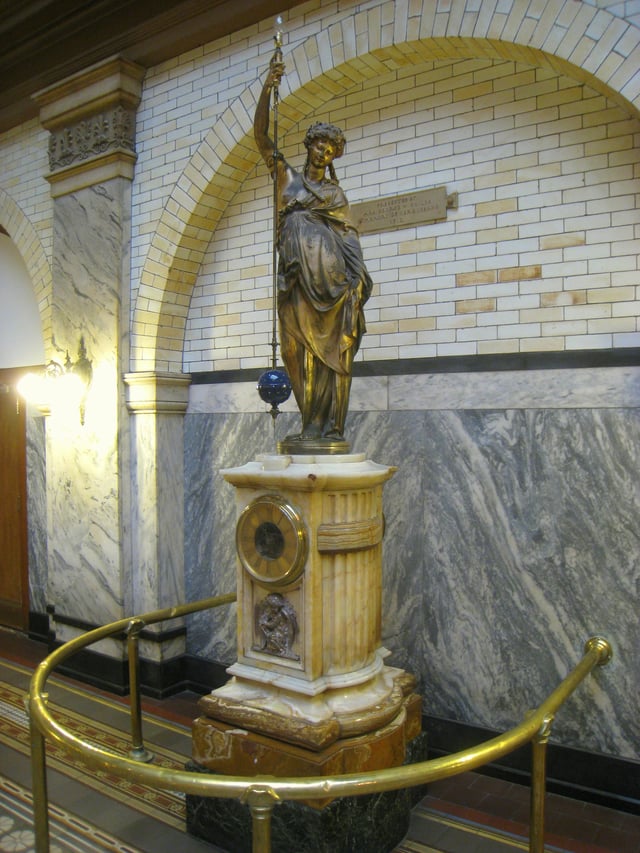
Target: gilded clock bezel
{"x":289,"y":565}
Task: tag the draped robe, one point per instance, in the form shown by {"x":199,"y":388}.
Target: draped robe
{"x":322,"y":287}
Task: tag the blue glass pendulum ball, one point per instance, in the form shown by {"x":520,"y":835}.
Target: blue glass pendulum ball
{"x":274,"y":386}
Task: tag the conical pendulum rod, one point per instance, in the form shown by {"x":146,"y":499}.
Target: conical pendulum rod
{"x":277,"y":57}
{"x":274,"y":385}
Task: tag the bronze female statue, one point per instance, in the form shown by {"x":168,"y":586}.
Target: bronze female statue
{"x":322,"y":279}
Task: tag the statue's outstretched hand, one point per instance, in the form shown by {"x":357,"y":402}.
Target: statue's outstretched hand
{"x":276,"y":70}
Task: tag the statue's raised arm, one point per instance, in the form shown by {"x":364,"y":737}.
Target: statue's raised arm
{"x":265,"y":144}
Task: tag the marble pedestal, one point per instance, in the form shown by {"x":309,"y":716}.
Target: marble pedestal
{"x":222,"y":748}
{"x":310,"y":693}
{"x":310,"y":667}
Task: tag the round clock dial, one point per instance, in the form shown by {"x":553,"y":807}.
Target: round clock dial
{"x":272,"y":541}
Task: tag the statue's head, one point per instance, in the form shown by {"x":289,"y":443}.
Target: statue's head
{"x":323,"y":130}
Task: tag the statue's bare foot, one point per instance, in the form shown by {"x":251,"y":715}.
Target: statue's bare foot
{"x":309,"y":433}
{"x":333,"y":434}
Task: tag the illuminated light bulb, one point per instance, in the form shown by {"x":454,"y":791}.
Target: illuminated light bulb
{"x":32,"y":387}
{"x":278,"y":31}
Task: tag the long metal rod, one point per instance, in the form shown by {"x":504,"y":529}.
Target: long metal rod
{"x":538,"y":786}
{"x":138,"y":751}
{"x":597,"y":653}
{"x":275,"y":101}
{"x":39,"y":784}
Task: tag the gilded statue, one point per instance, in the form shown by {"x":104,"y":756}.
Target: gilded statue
{"x":322,"y":281}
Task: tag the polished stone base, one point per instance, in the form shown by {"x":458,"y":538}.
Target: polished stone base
{"x":375,"y":823}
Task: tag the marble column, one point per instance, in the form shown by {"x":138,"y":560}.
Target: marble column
{"x":91,"y":119}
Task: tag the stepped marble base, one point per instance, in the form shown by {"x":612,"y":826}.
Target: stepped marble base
{"x":313,"y":722}
{"x":223,"y":748}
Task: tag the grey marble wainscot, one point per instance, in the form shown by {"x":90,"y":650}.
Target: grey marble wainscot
{"x":512,"y":536}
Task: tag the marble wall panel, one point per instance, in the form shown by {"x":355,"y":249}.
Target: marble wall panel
{"x":511,"y":537}
{"x":86,"y":478}
{"x":85,"y":578}
{"x":599,"y":387}
{"x":157,"y":576}
{"x":37,"y":513}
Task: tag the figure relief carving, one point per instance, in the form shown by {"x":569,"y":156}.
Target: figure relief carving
{"x":276,"y":626}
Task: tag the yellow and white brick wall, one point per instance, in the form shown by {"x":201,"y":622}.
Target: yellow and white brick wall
{"x":528,"y":110}
{"x":26,"y":207}
{"x":541,"y":254}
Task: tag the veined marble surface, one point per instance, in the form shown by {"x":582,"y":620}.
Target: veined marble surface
{"x":599,"y":387}
{"x":37,"y":513}
{"x":85,"y":473}
{"x":512,"y":536}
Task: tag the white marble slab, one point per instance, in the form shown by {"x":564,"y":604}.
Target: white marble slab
{"x":600,"y":387}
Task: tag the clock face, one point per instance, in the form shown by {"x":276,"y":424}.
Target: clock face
{"x":272,"y":541}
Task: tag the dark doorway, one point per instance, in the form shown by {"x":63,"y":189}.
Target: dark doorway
{"x":14,"y":575}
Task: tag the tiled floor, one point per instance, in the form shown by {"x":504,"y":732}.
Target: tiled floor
{"x":471,"y":813}
{"x":487,"y":806}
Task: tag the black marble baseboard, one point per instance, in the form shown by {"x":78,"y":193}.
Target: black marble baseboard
{"x":587,"y":776}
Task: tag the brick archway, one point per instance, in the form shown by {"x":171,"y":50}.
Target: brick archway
{"x":580,"y":41}
{"x":26,"y":239}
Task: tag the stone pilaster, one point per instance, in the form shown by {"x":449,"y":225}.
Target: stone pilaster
{"x":91,"y":118}
{"x":90,"y":571}
{"x":157,"y":403}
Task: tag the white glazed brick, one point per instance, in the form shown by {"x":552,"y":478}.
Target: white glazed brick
{"x":489,"y":130}
{"x":23,"y":165}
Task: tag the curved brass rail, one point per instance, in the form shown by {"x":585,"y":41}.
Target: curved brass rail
{"x":262,"y":793}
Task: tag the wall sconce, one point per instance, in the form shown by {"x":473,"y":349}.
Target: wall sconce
{"x":58,"y":386}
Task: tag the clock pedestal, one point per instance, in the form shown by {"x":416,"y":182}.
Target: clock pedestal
{"x":310,"y":692}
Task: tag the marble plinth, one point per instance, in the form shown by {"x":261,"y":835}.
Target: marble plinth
{"x":227,"y":749}
{"x":376,"y":823}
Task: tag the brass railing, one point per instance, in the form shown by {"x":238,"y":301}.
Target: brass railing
{"x":263,"y":793}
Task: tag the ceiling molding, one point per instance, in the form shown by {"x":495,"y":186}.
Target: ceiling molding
{"x":45,"y":41}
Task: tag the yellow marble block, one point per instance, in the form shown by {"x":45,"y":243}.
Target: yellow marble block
{"x":227,"y":749}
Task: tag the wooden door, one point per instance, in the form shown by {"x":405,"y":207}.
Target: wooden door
{"x":14,"y":579}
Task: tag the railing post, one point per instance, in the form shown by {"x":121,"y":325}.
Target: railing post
{"x":261,"y":800}
{"x":538,"y":786}
{"x":39,"y":784}
{"x":137,"y":751}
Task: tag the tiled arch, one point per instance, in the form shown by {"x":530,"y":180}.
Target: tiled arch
{"x":580,"y":41}
{"x":26,"y":239}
